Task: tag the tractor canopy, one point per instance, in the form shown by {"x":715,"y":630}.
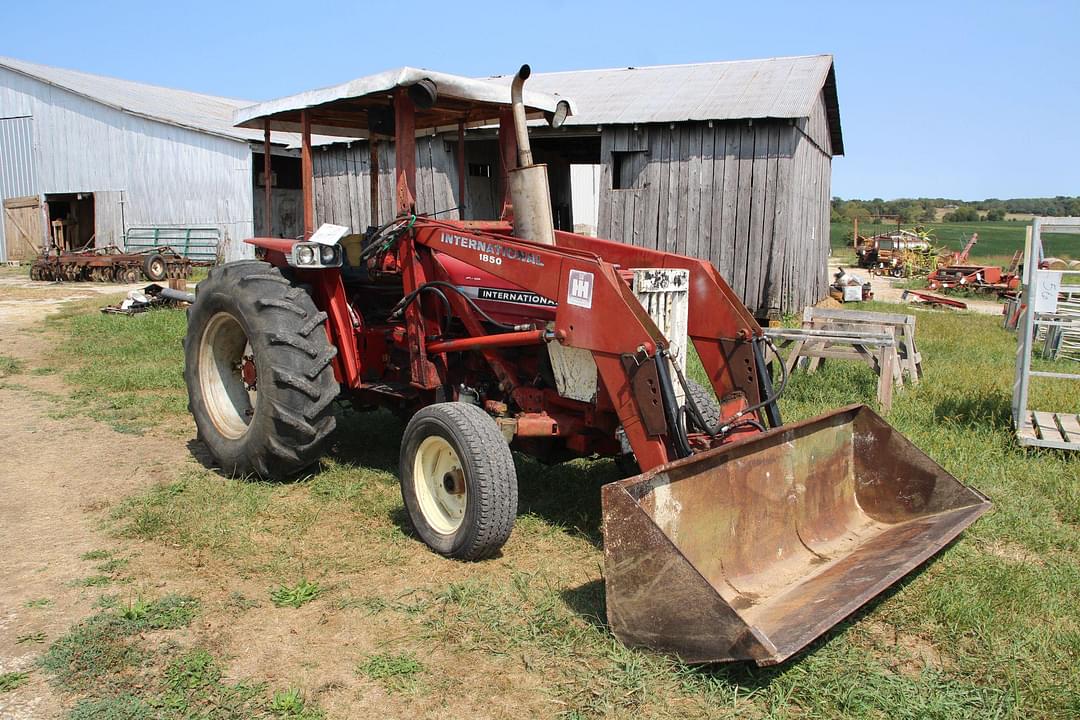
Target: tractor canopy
{"x":361,"y":107}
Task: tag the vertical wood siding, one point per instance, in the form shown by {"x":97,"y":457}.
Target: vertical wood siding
{"x":752,"y":198}
{"x":343,"y":182}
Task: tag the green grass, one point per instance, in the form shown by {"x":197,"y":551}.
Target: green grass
{"x":34,"y":637}
{"x":997,"y":240}
{"x":124,"y":369}
{"x":11,"y":680}
{"x":9,"y":366}
{"x":397,"y":672}
{"x":118,"y":665}
{"x":38,"y":603}
{"x":296,"y":595}
{"x":290,"y":705}
{"x":990,"y":628}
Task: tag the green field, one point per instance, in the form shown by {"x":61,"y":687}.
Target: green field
{"x":997,"y":240}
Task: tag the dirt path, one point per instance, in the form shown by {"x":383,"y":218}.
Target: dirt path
{"x":56,"y":476}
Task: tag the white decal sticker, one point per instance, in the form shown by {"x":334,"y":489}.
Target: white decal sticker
{"x":580,"y":291}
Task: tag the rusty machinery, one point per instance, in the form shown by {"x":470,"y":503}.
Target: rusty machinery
{"x":111,"y":264}
{"x":735,"y":536}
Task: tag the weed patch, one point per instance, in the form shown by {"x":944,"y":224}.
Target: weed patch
{"x":11,"y":680}
{"x":10,"y":366}
{"x":396,"y":672}
{"x":295,"y":595}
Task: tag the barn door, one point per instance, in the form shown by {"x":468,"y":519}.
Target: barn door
{"x":23,"y":230}
{"x":108,"y":218}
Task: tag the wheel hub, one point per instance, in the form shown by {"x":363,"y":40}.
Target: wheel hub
{"x":227,"y":375}
{"x":440,"y":484}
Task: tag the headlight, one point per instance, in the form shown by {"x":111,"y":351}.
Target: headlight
{"x":315,"y":255}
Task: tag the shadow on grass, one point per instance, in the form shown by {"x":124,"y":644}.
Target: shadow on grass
{"x":589,"y":602}
{"x":992,"y":411}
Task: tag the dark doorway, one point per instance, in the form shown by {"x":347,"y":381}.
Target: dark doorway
{"x":71,"y":220}
{"x":286,"y":196}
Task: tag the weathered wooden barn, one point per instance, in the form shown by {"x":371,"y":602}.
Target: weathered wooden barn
{"x":91,"y":156}
{"x":729,"y":161}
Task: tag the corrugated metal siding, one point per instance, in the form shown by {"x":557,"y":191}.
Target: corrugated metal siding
{"x":168,"y":175}
{"x":17,"y":176}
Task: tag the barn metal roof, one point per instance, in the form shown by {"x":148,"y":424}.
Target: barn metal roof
{"x":784,"y":87}
{"x":194,"y":111}
{"x":340,"y":109}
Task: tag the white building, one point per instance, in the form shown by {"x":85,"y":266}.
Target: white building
{"x":90,"y":156}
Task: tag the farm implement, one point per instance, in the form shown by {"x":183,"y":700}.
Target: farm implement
{"x":736,"y":537}
{"x":111,"y":264}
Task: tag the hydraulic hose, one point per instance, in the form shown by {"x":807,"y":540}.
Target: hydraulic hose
{"x":672,"y":413}
{"x":734,"y":421}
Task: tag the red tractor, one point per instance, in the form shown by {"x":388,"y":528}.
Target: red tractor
{"x":735,"y":541}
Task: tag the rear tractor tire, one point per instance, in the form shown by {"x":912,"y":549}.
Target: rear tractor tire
{"x":710,"y":410}
{"x":257,"y":363}
{"x":458,"y":480}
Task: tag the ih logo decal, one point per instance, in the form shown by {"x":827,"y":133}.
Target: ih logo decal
{"x":580,"y":291}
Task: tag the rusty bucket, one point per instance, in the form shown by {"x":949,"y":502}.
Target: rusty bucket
{"x":752,"y":550}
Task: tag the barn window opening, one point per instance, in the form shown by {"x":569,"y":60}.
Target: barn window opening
{"x":626,"y":167}
{"x":480,"y":170}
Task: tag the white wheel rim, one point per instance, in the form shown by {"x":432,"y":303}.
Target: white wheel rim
{"x":229,"y":401}
{"x":440,"y":484}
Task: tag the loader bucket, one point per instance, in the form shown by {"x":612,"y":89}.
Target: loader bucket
{"x":751,"y":550}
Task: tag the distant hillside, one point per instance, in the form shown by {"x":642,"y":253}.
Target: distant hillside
{"x":911,"y":210}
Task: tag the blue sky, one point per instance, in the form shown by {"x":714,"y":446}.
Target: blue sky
{"x":936,"y":99}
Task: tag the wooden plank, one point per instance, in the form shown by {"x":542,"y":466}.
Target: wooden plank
{"x":782,"y":218}
{"x":651,"y":189}
{"x":663,"y":178}
{"x":1070,"y":428}
{"x":691,"y":220}
{"x":816,"y":313}
{"x":743,"y":209}
{"x":1046,"y":427}
{"x":671,"y":229}
{"x":885,"y":380}
{"x":754,"y":249}
{"x":768,"y":275}
{"x":352,"y":175}
{"x":603,"y":217}
{"x":708,"y":162}
{"x":732,"y":150}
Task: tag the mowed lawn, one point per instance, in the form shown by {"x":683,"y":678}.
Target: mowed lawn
{"x":989,"y":629}
{"x":997,"y":240}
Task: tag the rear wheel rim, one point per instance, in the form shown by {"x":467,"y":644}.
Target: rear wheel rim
{"x":157,"y":268}
{"x":225,"y":357}
{"x":439,"y":478}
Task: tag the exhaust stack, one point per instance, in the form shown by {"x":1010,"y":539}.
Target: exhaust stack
{"x":529,"y":190}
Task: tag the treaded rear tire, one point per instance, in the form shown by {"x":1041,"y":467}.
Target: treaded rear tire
{"x":489,"y":476}
{"x":706,"y":403}
{"x":292,"y":417}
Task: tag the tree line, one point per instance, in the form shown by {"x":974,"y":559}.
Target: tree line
{"x":912,"y":210}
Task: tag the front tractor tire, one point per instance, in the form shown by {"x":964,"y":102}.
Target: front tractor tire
{"x":458,"y":480}
{"x":257,"y":363}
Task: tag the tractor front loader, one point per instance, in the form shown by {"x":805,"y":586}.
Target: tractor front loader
{"x":735,"y":538}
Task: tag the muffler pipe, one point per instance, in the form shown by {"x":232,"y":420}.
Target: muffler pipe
{"x":529,"y":190}
{"x":521,"y":129}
